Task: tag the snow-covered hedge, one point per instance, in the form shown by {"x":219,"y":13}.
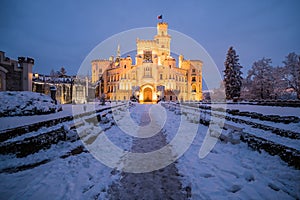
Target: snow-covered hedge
{"x":26,"y":103}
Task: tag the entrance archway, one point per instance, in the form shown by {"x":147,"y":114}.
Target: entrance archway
{"x":147,"y":94}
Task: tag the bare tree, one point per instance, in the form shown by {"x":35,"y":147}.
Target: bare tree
{"x":292,"y":72}
{"x":260,"y":79}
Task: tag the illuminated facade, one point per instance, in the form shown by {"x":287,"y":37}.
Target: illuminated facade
{"x":154,"y":76}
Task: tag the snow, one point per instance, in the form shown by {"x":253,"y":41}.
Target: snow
{"x":26,"y":103}
{"x":75,"y":177}
{"x":236,"y":172}
{"x":67,"y":110}
{"x":229,"y":171}
{"x":265,"y":110}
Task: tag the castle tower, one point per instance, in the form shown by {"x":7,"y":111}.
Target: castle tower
{"x":26,"y":65}
{"x":163,"y":41}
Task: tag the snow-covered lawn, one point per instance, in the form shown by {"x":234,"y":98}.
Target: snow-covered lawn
{"x":237,"y":172}
{"x":67,"y":110}
{"x":74,"y":177}
{"x":26,"y":103}
{"x":265,"y":110}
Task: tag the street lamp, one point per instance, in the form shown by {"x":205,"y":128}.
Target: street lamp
{"x":36,"y":75}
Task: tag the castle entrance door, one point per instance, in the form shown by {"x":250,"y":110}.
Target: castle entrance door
{"x":147,"y":94}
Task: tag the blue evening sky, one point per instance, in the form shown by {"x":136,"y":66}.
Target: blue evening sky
{"x":62,"y":32}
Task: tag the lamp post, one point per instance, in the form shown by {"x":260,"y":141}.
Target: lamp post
{"x":36,"y":75}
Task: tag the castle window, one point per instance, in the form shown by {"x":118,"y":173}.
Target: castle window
{"x":124,"y":66}
{"x":162,"y":46}
{"x":161,"y":76}
{"x":193,"y":88}
{"x":147,"y":72}
{"x":170,"y":66}
{"x":193,"y":78}
{"x":193,"y":70}
{"x":162,"y":33}
{"x":100,"y":70}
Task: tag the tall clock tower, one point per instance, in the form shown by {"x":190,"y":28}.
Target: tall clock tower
{"x":163,"y":41}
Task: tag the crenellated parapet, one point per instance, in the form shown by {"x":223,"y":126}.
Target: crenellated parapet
{"x":25,"y":60}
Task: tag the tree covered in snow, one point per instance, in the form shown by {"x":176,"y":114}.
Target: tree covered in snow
{"x":291,"y":71}
{"x":260,"y":79}
{"x":232,"y":75}
{"x":281,"y":85}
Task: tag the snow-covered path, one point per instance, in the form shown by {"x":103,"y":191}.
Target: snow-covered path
{"x":159,"y":184}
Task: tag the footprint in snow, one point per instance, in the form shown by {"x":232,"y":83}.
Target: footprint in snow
{"x":234,"y":188}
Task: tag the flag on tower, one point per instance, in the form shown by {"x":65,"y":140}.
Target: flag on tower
{"x":159,"y":17}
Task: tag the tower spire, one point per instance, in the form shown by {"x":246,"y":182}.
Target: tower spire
{"x":118,"y":51}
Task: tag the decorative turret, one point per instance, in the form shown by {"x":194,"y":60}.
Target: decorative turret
{"x":180,"y":60}
{"x":118,"y":57}
{"x":118,"y":51}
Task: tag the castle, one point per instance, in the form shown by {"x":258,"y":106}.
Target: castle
{"x":154,"y":76}
{"x":15,"y":75}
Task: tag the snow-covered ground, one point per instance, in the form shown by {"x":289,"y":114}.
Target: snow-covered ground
{"x":237,"y":172}
{"x":67,"y":110}
{"x":229,"y":171}
{"x":74,"y":177}
{"x":265,"y":110}
{"x":26,"y":103}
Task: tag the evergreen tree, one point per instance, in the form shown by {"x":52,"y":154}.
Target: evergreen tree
{"x":62,"y":72}
{"x":232,"y":75}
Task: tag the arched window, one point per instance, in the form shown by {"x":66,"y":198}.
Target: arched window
{"x":193,"y":88}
